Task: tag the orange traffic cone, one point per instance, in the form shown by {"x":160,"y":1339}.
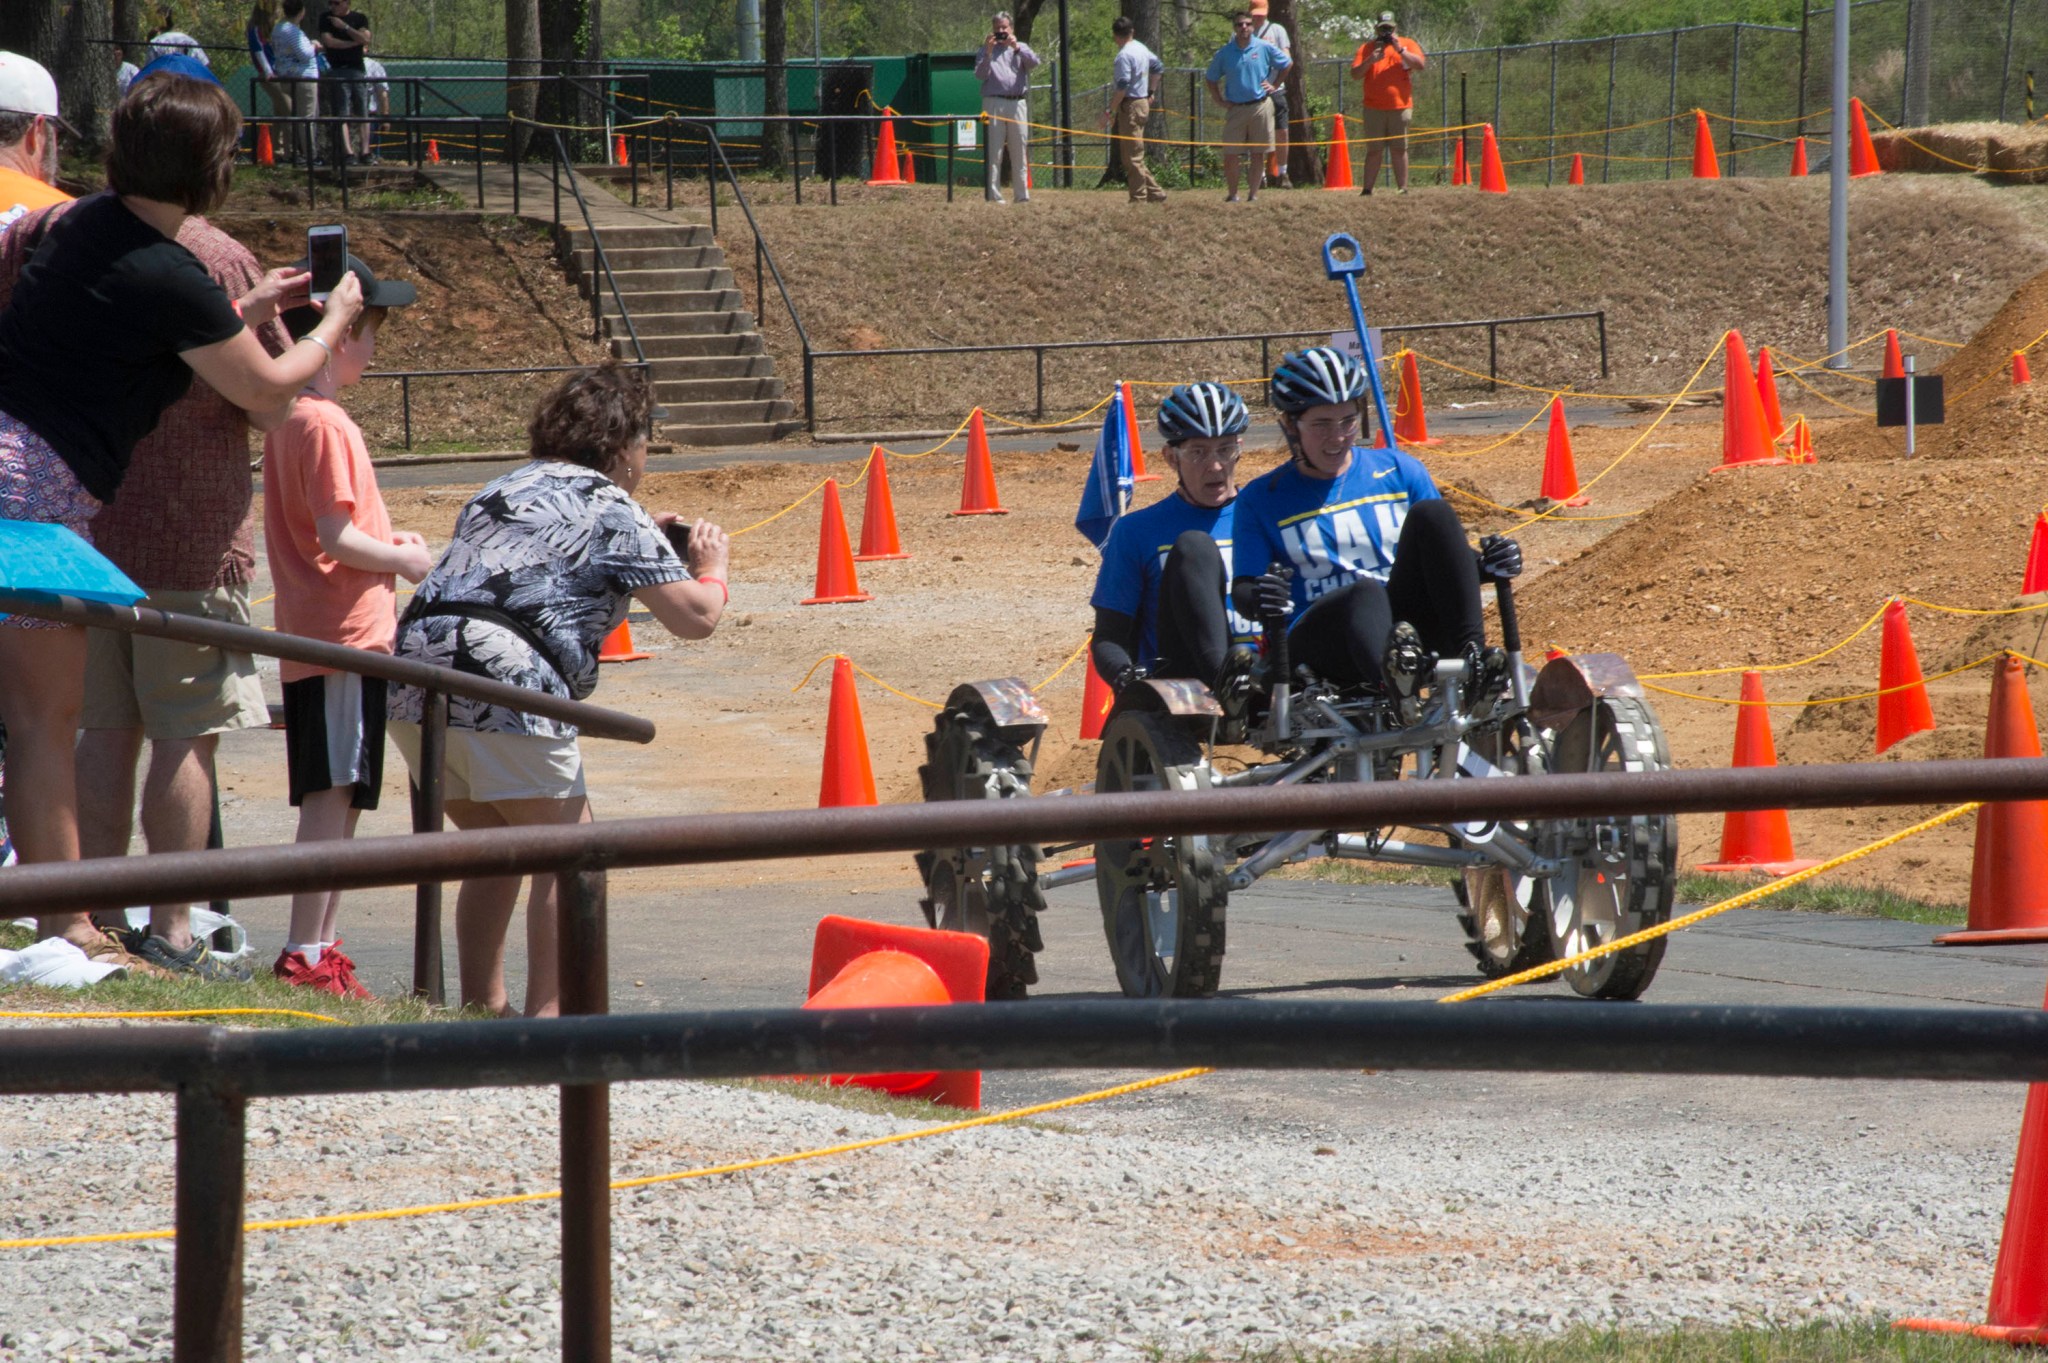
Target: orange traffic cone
{"x":909,"y":166}
{"x":1578,"y":171}
{"x":1756,"y":839}
{"x":433,"y":152}
{"x":1862,"y":153}
{"x":2009,"y":876}
{"x":1742,"y":412}
{"x":1767,"y":394}
{"x":1096,"y":699}
{"x":888,"y":168}
{"x":1798,"y":442}
{"x":978,"y":496}
{"x":1705,"y":164}
{"x":1894,"y":361}
{"x":1798,"y":158}
{"x":619,"y":157}
{"x":1411,"y":421}
{"x":837,"y":582}
{"x":1902,"y":709}
{"x":2036,"y":577}
{"x":1337,"y":169}
{"x":1560,"y":474}
{"x":266,"y":153}
{"x":2020,"y":372}
{"x":848,"y":777}
{"x":1493,"y":178}
{"x":1459,"y":174}
{"x":878,"y":537}
{"x":618,"y":647}
{"x":1137,"y":439}
{"x":856,"y":964}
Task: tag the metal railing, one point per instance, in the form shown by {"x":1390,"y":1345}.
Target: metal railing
{"x":439,"y":683}
{"x":1265,"y":339}
{"x":406,"y":376}
{"x":214,"y":1072}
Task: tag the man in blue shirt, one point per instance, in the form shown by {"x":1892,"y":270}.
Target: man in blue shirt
{"x":1382,"y":580}
{"x":1242,"y":76}
{"x":1160,"y":596}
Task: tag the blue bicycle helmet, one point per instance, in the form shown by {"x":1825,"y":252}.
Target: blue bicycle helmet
{"x":1194,"y":411}
{"x":1317,"y":377}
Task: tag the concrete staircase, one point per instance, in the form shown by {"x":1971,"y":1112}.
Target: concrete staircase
{"x":709,"y":367}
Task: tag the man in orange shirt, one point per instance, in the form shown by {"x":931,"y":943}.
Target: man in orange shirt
{"x":1385,"y":67}
{"x":28,"y":138}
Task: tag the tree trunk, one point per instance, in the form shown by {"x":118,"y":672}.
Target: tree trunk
{"x":128,"y":29}
{"x":1304,"y":166}
{"x":1022,"y":16}
{"x":561,"y":50}
{"x":71,"y":40}
{"x":775,"y":83}
{"x":522,"y":58}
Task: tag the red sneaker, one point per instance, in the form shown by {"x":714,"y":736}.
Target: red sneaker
{"x":345,"y":973}
{"x":331,"y":976}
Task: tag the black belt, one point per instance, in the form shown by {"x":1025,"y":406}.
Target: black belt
{"x":1246,"y":103}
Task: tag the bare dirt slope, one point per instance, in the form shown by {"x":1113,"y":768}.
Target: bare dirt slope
{"x":1673,"y":264}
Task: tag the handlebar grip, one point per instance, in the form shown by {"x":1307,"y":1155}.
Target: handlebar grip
{"x":1510,"y":625}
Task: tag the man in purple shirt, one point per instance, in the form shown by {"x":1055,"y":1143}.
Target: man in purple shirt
{"x":1004,"y":70}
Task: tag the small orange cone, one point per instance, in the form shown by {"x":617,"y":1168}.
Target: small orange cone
{"x":878,"y":537}
{"x":849,"y":777}
{"x":1743,"y":440}
{"x":2009,"y":877}
{"x":1902,"y":708}
{"x":909,"y":166}
{"x":2036,"y":577}
{"x":978,"y":496}
{"x":1578,"y":171}
{"x":619,"y":157}
{"x":1894,"y":361}
{"x":1767,"y":394}
{"x":1798,"y":158}
{"x":433,"y":152}
{"x":1705,"y":164}
{"x":857,"y":964}
{"x":1560,"y":474}
{"x":837,"y":582}
{"x":1862,"y":152}
{"x":1493,"y":177}
{"x":1337,"y":169}
{"x":618,"y":647}
{"x":1096,"y":699}
{"x":1756,"y":839}
{"x":1411,"y":421}
{"x":266,"y":153}
{"x":1798,"y":442}
{"x":1459,"y":174}
{"x":1138,"y":473}
{"x":888,"y":168}
{"x":2020,"y":371}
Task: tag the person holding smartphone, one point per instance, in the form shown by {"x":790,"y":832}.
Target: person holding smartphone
{"x":1004,"y":69}
{"x":1385,"y":68}
{"x":107,"y":326}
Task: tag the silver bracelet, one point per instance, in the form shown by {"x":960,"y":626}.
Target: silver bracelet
{"x":326,"y":365}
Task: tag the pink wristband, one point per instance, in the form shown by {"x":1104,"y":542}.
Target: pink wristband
{"x":724,"y":591}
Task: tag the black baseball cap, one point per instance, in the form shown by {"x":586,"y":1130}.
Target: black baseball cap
{"x":377,"y":293}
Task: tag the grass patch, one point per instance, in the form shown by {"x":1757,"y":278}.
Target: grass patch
{"x":1857,"y":1342}
{"x":1814,"y":896}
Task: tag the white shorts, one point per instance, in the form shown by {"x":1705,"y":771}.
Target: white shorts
{"x":483,"y":768}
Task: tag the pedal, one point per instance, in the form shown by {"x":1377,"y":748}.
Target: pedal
{"x":1406,"y":662}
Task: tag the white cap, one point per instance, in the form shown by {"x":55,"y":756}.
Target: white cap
{"x":26,"y":88}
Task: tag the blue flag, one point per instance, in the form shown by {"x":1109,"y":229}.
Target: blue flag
{"x":1107,"y":492}
{"x":46,"y":559}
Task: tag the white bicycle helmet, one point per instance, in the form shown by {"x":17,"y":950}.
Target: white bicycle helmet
{"x":1196,"y":411}
{"x":1320,"y":376}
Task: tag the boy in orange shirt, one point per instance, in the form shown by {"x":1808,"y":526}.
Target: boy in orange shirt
{"x":332,"y":556}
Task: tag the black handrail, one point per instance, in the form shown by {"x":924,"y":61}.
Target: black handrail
{"x":563,"y":169}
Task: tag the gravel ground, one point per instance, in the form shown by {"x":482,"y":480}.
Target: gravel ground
{"x":1217,"y":1214}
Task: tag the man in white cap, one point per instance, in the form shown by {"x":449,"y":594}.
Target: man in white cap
{"x":28,"y":138}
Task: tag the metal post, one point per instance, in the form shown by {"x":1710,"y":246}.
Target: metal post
{"x":1734,"y":102}
{"x":760,"y":290}
{"x":428,"y":807}
{"x":810,"y":392}
{"x":1550,"y":163}
{"x":951,"y":139}
{"x":1038,"y":362}
{"x":1601,"y":322}
{"x":1911,"y":364}
{"x":206,"y":1292}
{"x":512,"y":152}
{"x":668,"y":161}
{"x":586,"y":1128}
{"x":1905,"y":85}
{"x":1266,"y":342}
{"x":1499,"y":73}
{"x":2005,"y":68}
{"x":1671,"y":113}
{"x":341,"y":163}
{"x":479,"y":172}
{"x":1464,"y":122}
{"x":1492,"y":356}
{"x":1066,"y":137}
{"x":405,"y":405}
{"x":1805,"y":34}
{"x":796,"y":162}
{"x":1195,"y":108}
{"x":1838,"y":195}
{"x":1443,"y":104}
{"x":711,"y":178}
{"x":1607,"y":146}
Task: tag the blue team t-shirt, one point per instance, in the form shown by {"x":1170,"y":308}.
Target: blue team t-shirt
{"x":1134,"y":562}
{"x":1331,"y":532}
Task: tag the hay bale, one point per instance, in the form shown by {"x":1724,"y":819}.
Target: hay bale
{"x":1936,"y":150}
{"x":2019,"y":156}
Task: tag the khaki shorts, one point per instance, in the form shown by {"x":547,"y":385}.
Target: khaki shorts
{"x":483,"y":768}
{"x":1384,"y":123}
{"x":1248,"y":127}
{"x":172,"y":690}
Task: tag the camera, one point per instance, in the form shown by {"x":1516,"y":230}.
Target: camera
{"x":1385,"y":33}
{"x":678,"y":533}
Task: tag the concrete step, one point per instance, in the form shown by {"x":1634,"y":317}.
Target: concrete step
{"x":731,"y":433}
{"x":676,"y":394}
{"x":674,"y":301}
{"x":689,"y":368}
{"x":655,"y":323}
{"x":638,"y":235}
{"x":729,"y":343}
{"x":722,"y":413}
{"x":635,"y":284}
{"x":649,"y":257}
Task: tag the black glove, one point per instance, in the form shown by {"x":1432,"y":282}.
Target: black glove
{"x":1266,"y":598}
{"x":1499,"y":557}
{"x":1125,"y":676}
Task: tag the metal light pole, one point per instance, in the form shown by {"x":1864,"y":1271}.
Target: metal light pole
{"x":1838,"y":197}
{"x":1065,"y":140}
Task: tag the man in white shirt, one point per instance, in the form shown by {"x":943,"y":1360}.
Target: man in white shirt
{"x":1004,"y":70}
{"x":1264,"y":29}
{"x":1135,"y":77}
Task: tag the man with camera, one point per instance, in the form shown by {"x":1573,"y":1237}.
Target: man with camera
{"x":1004,"y":70}
{"x":1385,"y":67}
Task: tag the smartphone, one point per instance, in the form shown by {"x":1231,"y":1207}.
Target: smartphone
{"x":327,"y":255}
{"x":679,"y":538}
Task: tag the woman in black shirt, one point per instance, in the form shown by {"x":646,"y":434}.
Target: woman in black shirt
{"x":108,"y":323}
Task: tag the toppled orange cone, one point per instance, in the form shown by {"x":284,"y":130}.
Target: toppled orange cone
{"x":1756,"y":839}
{"x":857,"y":964}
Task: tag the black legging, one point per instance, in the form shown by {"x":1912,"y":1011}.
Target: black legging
{"x":1433,"y":585}
{"x":1192,"y":626}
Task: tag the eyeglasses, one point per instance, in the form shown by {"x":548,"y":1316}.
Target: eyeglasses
{"x":1323,"y":427}
{"x":1224,"y":451}
{"x":1242,"y":23}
